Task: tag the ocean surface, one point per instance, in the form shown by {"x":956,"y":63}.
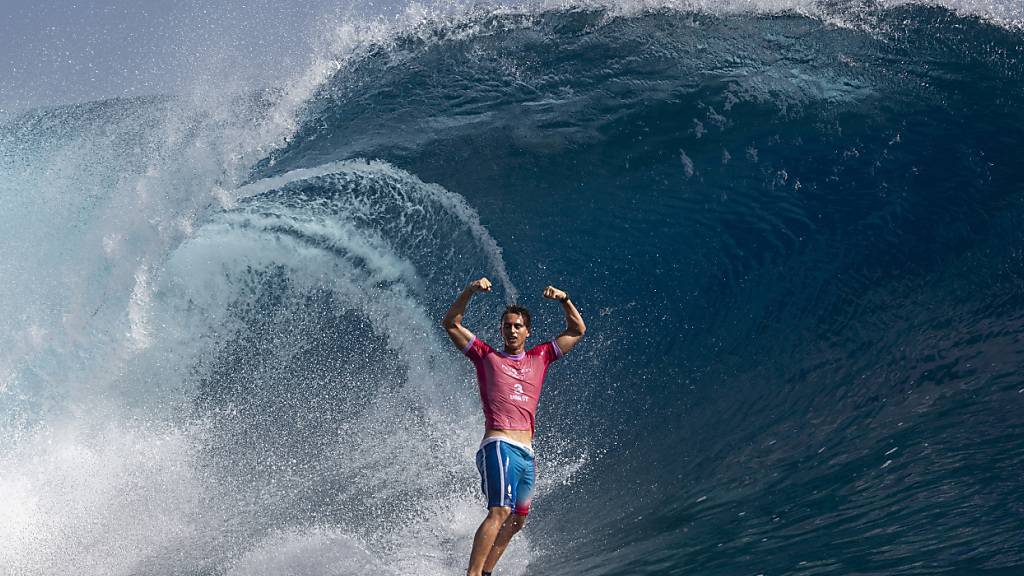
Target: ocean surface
{"x":794,"y":230}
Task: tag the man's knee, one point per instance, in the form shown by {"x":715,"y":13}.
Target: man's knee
{"x":515,"y":522}
{"x":498,"y":514}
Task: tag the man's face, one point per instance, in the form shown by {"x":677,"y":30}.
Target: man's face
{"x":514,"y":330}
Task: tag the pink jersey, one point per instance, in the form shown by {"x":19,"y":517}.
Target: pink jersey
{"x":510,"y":385}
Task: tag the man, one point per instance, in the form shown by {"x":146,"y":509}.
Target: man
{"x":510,"y":383}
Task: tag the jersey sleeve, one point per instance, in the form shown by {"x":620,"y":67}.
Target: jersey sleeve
{"x":548,"y":351}
{"x":476,"y":349}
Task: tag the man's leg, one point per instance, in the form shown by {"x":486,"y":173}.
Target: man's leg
{"x":485,"y":538}
{"x":509,"y":529}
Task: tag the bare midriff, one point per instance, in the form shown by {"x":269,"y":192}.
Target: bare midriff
{"x":521,"y":436}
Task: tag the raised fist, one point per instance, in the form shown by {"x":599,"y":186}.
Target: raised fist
{"x":481,"y":285}
{"x":553,"y":293}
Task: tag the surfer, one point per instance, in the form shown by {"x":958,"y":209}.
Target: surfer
{"x":510,"y":382}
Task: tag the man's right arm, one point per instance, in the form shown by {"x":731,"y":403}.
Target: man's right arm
{"x":459,"y":334}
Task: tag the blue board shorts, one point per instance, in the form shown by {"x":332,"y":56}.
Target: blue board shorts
{"x":507,"y":474}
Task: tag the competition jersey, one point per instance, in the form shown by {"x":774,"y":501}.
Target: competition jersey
{"x":510,"y":385}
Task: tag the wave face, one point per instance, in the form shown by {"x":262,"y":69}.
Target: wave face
{"x":795,"y":238}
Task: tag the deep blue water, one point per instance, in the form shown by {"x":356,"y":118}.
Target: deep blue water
{"x":797,"y":246}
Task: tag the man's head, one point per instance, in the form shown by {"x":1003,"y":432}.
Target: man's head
{"x":515,"y":327}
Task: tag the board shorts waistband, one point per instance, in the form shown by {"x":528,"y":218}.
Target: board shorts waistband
{"x":519,"y":445}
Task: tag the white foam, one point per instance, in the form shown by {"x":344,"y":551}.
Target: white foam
{"x":425,"y":19}
{"x":313,"y":552}
{"x":88,"y":498}
{"x":138,"y":309}
{"x":98,"y":472}
{"x":452,"y":202}
{"x":1007,"y":12}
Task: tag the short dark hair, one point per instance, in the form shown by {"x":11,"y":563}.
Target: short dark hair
{"x":517,"y":309}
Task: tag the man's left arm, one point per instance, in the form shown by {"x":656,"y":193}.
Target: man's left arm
{"x":574,"y":326}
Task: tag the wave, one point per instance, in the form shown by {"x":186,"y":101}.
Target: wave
{"x":792,"y":228}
